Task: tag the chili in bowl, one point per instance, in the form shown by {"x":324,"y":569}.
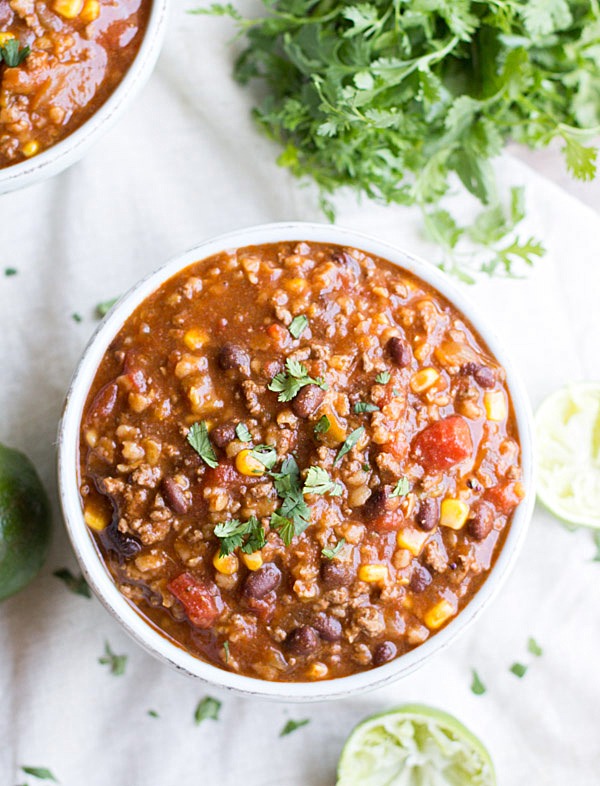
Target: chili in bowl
{"x":294,"y":462}
{"x":68,"y":68}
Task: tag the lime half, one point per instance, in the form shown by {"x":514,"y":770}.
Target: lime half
{"x":414,"y":745}
{"x":567,"y":426}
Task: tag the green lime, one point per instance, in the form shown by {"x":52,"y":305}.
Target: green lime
{"x":24,"y":521}
{"x":414,"y":745}
{"x":567,"y":429}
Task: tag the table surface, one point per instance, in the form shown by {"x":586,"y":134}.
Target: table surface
{"x":150,"y":188}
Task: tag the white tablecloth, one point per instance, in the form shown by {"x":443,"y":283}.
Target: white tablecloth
{"x":186,"y":163}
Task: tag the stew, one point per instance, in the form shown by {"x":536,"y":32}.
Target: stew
{"x":298,"y":461}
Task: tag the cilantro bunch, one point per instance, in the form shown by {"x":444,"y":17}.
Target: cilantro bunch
{"x":397,"y":99}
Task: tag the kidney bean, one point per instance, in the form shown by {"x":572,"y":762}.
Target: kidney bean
{"x":308,"y":400}
{"x":481,"y":521}
{"x":328,"y":628}
{"x":174,"y":496}
{"x":420,"y":579}
{"x":485,"y":377}
{"x":428,"y":514}
{"x":335,"y":574}
{"x":232,"y":356}
{"x":399,"y":351}
{"x":260,"y":582}
{"x":302,"y":640}
{"x":384,"y":652}
{"x":222,"y":435}
{"x":104,"y":401}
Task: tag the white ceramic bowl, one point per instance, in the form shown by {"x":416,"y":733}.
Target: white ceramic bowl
{"x":88,"y":555}
{"x":73,"y":147}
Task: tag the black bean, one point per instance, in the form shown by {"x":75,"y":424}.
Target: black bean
{"x":174,"y":496}
{"x":232,"y":356}
{"x":377,"y":504}
{"x":481,"y":521}
{"x":420,"y":579}
{"x":328,"y":628}
{"x":222,"y":435}
{"x":485,"y":377}
{"x":125,"y":546}
{"x":428,"y":514}
{"x":384,"y":652}
{"x":335,"y":574}
{"x":302,"y":640}
{"x":260,"y":582}
{"x":308,"y":400}
{"x":399,"y":351}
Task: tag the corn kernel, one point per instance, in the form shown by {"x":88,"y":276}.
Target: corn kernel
{"x":194,"y":338}
{"x":96,"y":518}
{"x":68,"y":8}
{"x":438,"y":614}
{"x":252,"y":561}
{"x":4,"y":37}
{"x":91,"y":437}
{"x":30,"y":148}
{"x":453,"y":513}
{"x":90,"y":11}
{"x":422,"y":380}
{"x":495,"y":405}
{"x":373,"y":573}
{"x":227,"y":565}
{"x":317,"y":671}
{"x":247,"y":464}
{"x":412,"y":539}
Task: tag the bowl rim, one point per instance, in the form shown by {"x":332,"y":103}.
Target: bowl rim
{"x":73,"y":146}
{"x":86,"y":551}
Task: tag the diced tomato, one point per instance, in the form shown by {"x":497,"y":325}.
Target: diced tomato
{"x":443,"y":444}
{"x":200,"y":599}
{"x":264,"y":608}
{"x":389,"y":521}
{"x":504,"y":496}
{"x":279,"y":335}
{"x":225,"y":474}
{"x":398,"y":446}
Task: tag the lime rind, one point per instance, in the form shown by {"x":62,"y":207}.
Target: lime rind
{"x":414,"y":745}
{"x":567,"y":428}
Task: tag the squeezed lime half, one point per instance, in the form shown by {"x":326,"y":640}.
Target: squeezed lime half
{"x":567,"y":426}
{"x":414,"y":745}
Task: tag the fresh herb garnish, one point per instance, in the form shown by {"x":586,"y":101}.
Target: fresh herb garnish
{"x":103,"y":308}
{"x":116,"y":663}
{"x":318,"y":482}
{"x":43,"y":773}
{"x":534,"y":648}
{"x":363,"y":406}
{"x":323,"y":425}
{"x":266,"y":454}
{"x":518,"y":669}
{"x":292,"y":725}
{"x":383,"y":378}
{"x":247,"y":535}
{"x":10,"y":271}
{"x":284,"y":527}
{"x":366,"y":467}
{"x":477,"y":686}
{"x":226,"y":651}
{"x":242,"y":433}
{"x":293,"y":517}
{"x":298,"y":325}
{"x":153,"y":714}
{"x":200,"y":441}
{"x":76,"y":584}
{"x":288,"y":383}
{"x":401,"y":488}
{"x":351,"y":440}
{"x":12,"y":53}
{"x":76,"y":317}
{"x":331,"y":553}
{"x":207,"y":709}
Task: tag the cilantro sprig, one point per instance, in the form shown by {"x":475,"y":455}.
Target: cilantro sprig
{"x":288,"y":383}
{"x":247,"y":535}
{"x":351,"y":440}
{"x":12,"y":53}
{"x":318,"y":482}
{"x":200,"y":441}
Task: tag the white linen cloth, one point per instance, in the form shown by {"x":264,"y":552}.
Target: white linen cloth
{"x":184,"y":164}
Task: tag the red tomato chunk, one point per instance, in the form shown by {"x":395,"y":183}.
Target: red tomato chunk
{"x":201,"y":600}
{"x":443,"y":444}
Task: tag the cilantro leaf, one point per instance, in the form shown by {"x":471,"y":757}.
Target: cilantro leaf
{"x":318,"y":482}
{"x":534,"y":648}
{"x":331,"y":553}
{"x":477,"y":686}
{"x":519,"y":670}
{"x":116,"y":663}
{"x":200,"y":441}
{"x":363,"y":406}
{"x":401,"y":488}
{"x":10,"y":271}
{"x":76,"y":584}
{"x":323,"y":425}
{"x":266,"y":454}
{"x":292,"y":725}
{"x":383,"y":377}
{"x":153,"y":714}
{"x":284,"y":527}
{"x":226,"y":650}
{"x":105,"y":306}
{"x":298,"y":325}
{"x":247,"y":535}
{"x":288,"y":383}
{"x":350,"y":442}
{"x":12,"y":53}
{"x":242,"y":433}
{"x":207,"y":709}
{"x":43,"y":773}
